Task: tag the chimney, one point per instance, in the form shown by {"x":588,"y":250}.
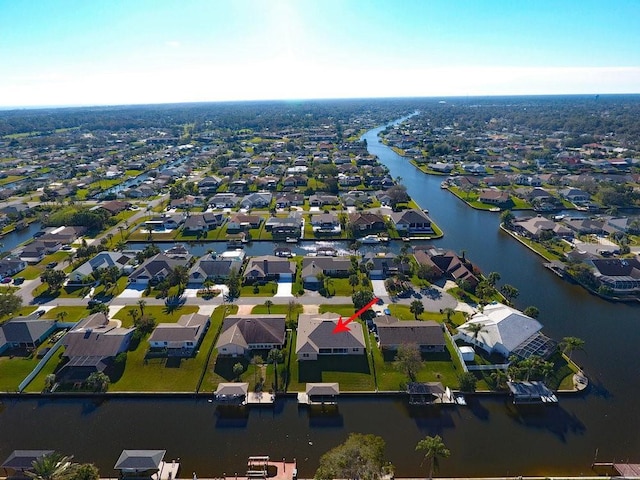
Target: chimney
{"x":265,"y":266}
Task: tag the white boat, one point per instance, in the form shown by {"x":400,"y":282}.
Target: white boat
{"x":370,"y":239}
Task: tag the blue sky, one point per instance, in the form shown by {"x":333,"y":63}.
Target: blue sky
{"x":64,"y":52}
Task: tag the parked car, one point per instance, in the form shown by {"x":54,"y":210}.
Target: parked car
{"x":18,"y":280}
{"x":6,"y":280}
{"x":39,"y":313}
{"x":387,"y":311}
{"x":52,"y":264}
{"x":93,"y":302}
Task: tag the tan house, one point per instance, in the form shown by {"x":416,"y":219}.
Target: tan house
{"x":315,"y":337}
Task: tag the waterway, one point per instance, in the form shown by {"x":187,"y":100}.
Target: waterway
{"x":488,"y":438}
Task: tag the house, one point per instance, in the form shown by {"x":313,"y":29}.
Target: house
{"x":241,"y":334}
{"x":83,"y":275}
{"x":381,"y":265}
{"x":329,"y":266}
{"x":92,"y":345}
{"x":281,"y":228}
{"x":241,"y":222}
{"x":166,"y":221}
{"x":187,"y":202}
{"x":180,"y":339}
{"x":315,"y":337}
{"x":584,"y":226}
{"x":322,"y":199}
{"x":494,"y":197}
{"x":411,"y":221}
{"x":143,"y":191}
{"x":64,"y":235}
{"x":224,"y":200}
{"x":575,"y":195}
{"x":38,"y":249}
{"x":10,"y":266}
{"x":213,"y":267}
{"x":622,"y":275}
{"x":537,"y":226}
{"x":449,"y":264}
{"x":506,"y":331}
{"x":140,"y":463}
{"x":367,"y":222}
{"x":25,"y":332}
{"x":156,"y":269}
{"x":393,"y":333}
{"x":114,"y":207}
{"x":288,"y":199}
{"x":269,"y":267}
{"x":209,"y":184}
{"x":202,"y":222}
{"x":326,"y":223}
{"x":257,"y":200}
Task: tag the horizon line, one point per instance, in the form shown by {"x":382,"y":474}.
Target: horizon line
{"x":5,"y":108}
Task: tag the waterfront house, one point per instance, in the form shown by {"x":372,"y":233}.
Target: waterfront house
{"x":411,"y":221}
{"x":506,"y":331}
{"x":38,"y":249}
{"x":241,"y":334}
{"x":622,"y":275}
{"x":329,"y":266}
{"x":213,"y":267}
{"x":83,"y":275}
{"x":315,"y":337}
{"x":393,"y":333}
{"x":381,"y":265}
{"x":367,"y":222}
{"x":92,"y":345}
{"x":202,"y":222}
{"x":242,"y":222}
{"x":166,"y":221}
{"x":114,"y":207}
{"x":282,"y":228}
{"x":575,"y":195}
{"x":180,"y":339}
{"x":447,"y":262}
{"x":269,"y":267}
{"x":25,"y":332}
{"x":540,"y":226}
{"x":326,"y":223}
{"x":494,"y":197}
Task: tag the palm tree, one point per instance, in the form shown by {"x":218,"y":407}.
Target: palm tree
{"x":434,"y":449}
{"x":353,"y":281}
{"x":500,"y":377}
{"x":60,"y":316}
{"x":448,"y":312}
{"x":142,"y":304}
{"x":475,"y":329}
{"x":268,"y":304}
{"x":569,"y":344}
{"x":417,"y":308}
{"x":53,"y":466}
{"x":274,"y":357}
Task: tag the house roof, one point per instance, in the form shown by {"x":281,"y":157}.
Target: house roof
{"x":187,"y":328}
{"x":314,"y":265}
{"x":25,"y":330}
{"x":410,"y":216}
{"x":315,"y":331}
{"x":269,"y":265}
{"x":618,"y":267}
{"x":210,"y":266}
{"x":156,"y":265}
{"x":503,"y":325}
{"x":248,"y":330}
{"x":140,"y":460}
{"x":102,"y":260}
{"x":23,"y":459}
{"x":407,"y":332}
{"x":95,"y":337}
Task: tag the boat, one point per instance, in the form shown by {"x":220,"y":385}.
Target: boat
{"x":291,"y":240}
{"x":370,"y":239}
{"x":283,"y":252}
{"x":444,"y":185}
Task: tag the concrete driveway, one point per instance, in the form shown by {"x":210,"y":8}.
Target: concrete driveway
{"x":379,"y":289}
{"x":133,"y":291}
{"x":284,"y":288}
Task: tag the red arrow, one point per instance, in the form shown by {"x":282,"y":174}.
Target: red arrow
{"x":342,"y":326}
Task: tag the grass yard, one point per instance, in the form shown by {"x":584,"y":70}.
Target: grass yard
{"x":279,"y":309}
{"x":14,"y":369}
{"x":161,"y":313}
{"x":352,"y":372}
{"x":346,"y":310}
{"x":267,"y":290}
{"x":437,"y":367}
{"x":73,"y":313}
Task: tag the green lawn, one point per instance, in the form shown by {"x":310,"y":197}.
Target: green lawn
{"x":14,"y":370}
{"x":437,"y":367}
{"x":267,"y":290}
{"x":352,"y":372}
{"x":73,"y":313}
{"x":159,"y":312}
{"x":346,"y":310}
{"x":280,"y":310}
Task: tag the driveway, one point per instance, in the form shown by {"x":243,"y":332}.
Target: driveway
{"x":284,"y":288}
{"x":133,"y":291}
{"x":379,"y":289}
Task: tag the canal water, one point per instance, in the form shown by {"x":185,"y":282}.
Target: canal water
{"x":488,"y":438}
